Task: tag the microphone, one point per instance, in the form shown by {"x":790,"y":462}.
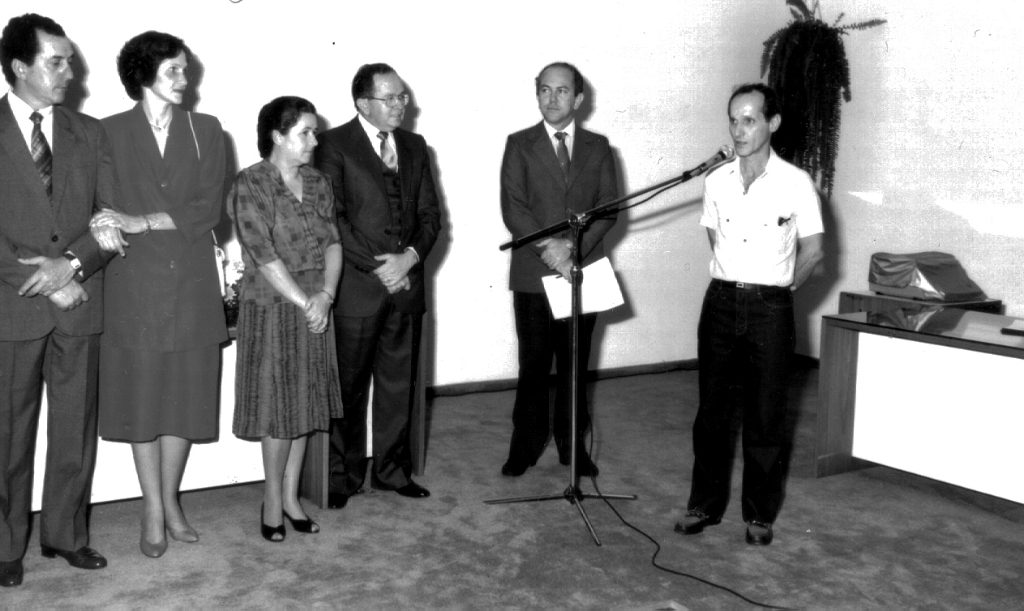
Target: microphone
{"x":724,"y":154}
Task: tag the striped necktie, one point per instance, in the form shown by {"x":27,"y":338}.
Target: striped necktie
{"x":41,"y":153}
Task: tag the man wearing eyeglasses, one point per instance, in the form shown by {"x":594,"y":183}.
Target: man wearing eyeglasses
{"x":389,"y":218}
{"x":549,"y":170}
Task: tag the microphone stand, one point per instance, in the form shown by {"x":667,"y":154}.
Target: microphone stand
{"x":578,"y":224}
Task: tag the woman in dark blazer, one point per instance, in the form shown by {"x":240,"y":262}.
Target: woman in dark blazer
{"x":164,"y":315}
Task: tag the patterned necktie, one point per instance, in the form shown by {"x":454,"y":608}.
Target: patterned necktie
{"x":41,"y":153}
{"x":386,"y":154}
{"x":563,"y":154}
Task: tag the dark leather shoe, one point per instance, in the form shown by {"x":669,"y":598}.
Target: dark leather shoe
{"x":306,"y":526}
{"x":759,"y":533}
{"x":586,"y":467}
{"x":82,"y":558}
{"x":11,"y":573}
{"x":274,"y":534}
{"x":337,"y":500}
{"x":513,"y":469}
{"x":694,"y":522}
{"x":413,"y":490}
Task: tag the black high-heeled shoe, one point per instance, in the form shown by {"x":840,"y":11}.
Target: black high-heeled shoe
{"x":269,"y":532}
{"x":307,"y":526}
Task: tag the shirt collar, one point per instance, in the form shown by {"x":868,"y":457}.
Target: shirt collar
{"x":733,"y":167}
{"x":371,"y":132}
{"x":570,"y":129}
{"x":23,"y":111}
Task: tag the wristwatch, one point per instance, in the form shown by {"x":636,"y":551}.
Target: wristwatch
{"x":76,"y":265}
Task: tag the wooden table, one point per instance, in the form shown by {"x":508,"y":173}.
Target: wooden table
{"x":932,"y":391}
{"x":870,"y":301}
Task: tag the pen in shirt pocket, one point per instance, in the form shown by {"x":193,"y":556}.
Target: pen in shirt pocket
{"x":784,"y":220}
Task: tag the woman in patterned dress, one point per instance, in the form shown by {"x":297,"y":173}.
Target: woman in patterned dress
{"x":286,"y":383}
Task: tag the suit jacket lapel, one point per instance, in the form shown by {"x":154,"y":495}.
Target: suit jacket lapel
{"x":404,"y":162}
{"x":143,"y":143}
{"x":368,"y":156}
{"x":64,"y":144}
{"x":546,"y":152}
{"x":13,"y":143}
{"x":582,"y":147}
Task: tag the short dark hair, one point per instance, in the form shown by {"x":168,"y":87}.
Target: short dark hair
{"x":771,"y":105}
{"x":140,"y":58}
{"x":578,"y":85}
{"x":362,"y":82}
{"x":279,"y":114}
{"x":20,"y":40}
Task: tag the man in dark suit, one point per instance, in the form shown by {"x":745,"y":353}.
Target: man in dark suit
{"x":548,"y":170}
{"x":51,"y":294}
{"x":389,"y":217}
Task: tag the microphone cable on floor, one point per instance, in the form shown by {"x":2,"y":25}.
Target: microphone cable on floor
{"x":657,"y":550}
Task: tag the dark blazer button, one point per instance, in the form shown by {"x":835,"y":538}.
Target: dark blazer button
{"x":54,"y":238}
{"x":387,"y":232}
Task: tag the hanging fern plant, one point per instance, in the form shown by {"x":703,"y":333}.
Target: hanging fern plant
{"x":807,"y":67}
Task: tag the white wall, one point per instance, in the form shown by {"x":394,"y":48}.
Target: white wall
{"x":927,"y":156}
{"x":930,"y":150}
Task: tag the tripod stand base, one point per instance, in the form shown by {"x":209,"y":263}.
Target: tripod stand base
{"x":574,"y":495}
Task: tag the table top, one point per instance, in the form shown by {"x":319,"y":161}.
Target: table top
{"x":926,"y":302}
{"x":967,"y":329}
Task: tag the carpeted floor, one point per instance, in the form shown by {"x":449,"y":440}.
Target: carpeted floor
{"x":874,"y":539}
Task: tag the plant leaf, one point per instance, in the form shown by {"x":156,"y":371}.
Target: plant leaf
{"x":862,"y":25}
{"x":800,"y":6}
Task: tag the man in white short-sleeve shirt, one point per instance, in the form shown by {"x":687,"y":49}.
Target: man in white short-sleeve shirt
{"x":764,"y":224}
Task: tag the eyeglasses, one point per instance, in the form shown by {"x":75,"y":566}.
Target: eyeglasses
{"x":394,"y":101}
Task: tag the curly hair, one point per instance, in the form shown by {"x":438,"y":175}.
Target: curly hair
{"x":20,"y":41}
{"x":280,"y":115}
{"x":140,"y":58}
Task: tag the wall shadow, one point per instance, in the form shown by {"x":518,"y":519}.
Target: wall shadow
{"x":196,"y":71}
{"x":77,"y":91}
{"x":820,"y":285}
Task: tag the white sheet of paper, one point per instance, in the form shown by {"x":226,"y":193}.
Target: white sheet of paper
{"x":599,"y":291}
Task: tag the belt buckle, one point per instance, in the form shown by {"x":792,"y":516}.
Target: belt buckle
{"x":741,"y":285}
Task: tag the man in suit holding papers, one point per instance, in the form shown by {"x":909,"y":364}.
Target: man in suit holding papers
{"x":549,"y":170}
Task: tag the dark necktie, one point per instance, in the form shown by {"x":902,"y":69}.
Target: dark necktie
{"x":563,"y":154}
{"x":386,"y":154}
{"x":41,"y":153}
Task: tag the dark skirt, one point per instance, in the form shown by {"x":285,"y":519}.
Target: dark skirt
{"x":286,"y":381}
{"x":143,"y":395}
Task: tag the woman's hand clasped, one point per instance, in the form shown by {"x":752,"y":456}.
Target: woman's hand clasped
{"x":318,"y":311}
{"x":124,"y":222}
{"x":106,"y":234}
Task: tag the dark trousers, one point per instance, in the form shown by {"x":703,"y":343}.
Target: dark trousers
{"x":540,"y":338}
{"x":68,"y":365}
{"x":745,"y":345}
{"x":384,"y":347}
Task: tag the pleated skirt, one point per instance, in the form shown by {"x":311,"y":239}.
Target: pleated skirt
{"x":286,"y":379}
{"x":143,"y":394}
